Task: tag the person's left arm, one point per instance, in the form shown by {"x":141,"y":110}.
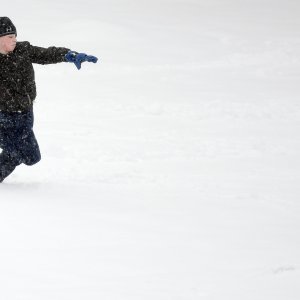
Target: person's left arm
{"x":50,"y":55}
{"x":53,"y":55}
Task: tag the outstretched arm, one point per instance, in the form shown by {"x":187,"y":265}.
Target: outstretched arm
{"x":49,"y":55}
{"x":54,"y":55}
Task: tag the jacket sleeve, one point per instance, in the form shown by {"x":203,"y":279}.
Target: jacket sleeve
{"x":43,"y":56}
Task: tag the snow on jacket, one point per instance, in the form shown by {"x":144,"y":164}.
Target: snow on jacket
{"x":17,"y":82}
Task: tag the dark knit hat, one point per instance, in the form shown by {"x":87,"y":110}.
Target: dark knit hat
{"x":7,"y":27}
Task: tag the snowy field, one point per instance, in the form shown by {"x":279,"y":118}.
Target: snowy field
{"x":171,"y":169}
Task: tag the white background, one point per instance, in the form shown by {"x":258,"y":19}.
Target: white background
{"x":170,"y":170}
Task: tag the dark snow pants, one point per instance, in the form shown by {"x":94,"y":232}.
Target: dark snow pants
{"x":17,"y":141}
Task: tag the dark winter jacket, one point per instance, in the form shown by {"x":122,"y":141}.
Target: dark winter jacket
{"x":17,"y":83}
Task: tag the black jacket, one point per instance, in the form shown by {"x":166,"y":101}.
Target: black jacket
{"x":17,"y":83}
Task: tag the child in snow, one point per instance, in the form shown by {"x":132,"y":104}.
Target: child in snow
{"x":18,"y":92}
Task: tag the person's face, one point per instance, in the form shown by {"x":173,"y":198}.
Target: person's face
{"x":7,"y":43}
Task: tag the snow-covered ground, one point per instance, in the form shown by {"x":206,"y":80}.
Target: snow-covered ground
{"x":171,"y":168}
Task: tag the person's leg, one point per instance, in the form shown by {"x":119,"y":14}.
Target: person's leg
{"x":9,"y":157}
{"x":28,"y":148}
{"x":17,"y":142}
{"x":7,"y":164}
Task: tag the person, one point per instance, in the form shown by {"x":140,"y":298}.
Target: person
{"x":18,"y":93}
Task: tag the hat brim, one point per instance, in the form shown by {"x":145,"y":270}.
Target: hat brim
{"x":8,"y":33}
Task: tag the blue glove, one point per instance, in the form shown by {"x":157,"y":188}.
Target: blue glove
{"x":78,"y":58}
